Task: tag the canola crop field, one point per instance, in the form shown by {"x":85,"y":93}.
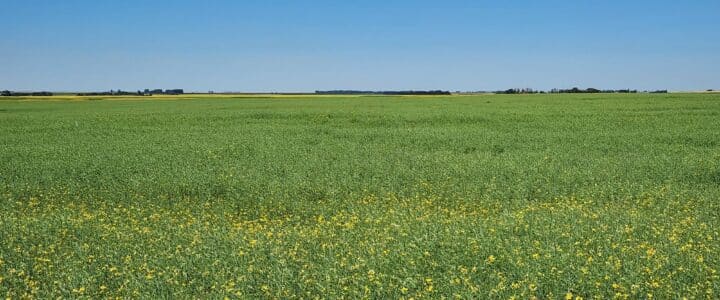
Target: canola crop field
{"x":488,"y":196}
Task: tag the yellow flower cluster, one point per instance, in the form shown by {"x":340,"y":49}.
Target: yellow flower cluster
{"x":374,"y":247}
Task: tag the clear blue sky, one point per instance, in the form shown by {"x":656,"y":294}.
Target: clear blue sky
{"x":267,"y":45}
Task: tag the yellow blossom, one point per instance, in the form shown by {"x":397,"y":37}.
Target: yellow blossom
{"x":491,"y":259}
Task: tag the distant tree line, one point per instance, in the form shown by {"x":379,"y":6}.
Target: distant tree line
{"x":146,"y":92}
{"x":519,"y":91}
{"x":354,"y":92}
{"x":574,"y":90}
{"x":166,"y":92}
{"x":11,"y":93}
{"x":149,"y":92}
{"x":112,"y":93}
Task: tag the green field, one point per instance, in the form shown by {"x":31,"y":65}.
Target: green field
{"x":489,"y":196}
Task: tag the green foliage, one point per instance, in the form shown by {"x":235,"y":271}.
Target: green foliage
{"x":491,"y":196}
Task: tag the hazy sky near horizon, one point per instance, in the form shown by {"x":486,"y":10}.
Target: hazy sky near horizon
{"x":266,"y":45}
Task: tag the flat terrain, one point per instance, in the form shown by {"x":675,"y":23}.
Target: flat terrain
{"x":490,"y":196}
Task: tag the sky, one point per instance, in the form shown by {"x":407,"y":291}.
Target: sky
{"x":304,"y":45}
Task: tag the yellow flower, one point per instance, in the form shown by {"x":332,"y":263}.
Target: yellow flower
{"x":491,"y":259}
{"x":650,"y":251}
{"x":568,"y":296}
{"x":429,"y":284}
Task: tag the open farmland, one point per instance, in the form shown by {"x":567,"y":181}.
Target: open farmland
{"x":490,"y":196}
